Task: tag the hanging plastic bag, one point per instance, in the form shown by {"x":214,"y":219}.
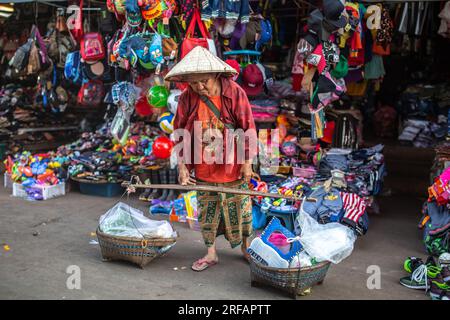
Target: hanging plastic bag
{"x":125,"y":221}
{"x":325,"y":242}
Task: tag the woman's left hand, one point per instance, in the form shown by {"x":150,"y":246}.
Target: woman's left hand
{"x":246,"y":172}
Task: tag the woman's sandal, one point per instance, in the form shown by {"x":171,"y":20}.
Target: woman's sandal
{"x":202,"y":264}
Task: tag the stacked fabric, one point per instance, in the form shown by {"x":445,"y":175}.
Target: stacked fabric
{"x":326,"y":205}
{"x":422,"y":133}
{"x":424,"y":109}
{"x":364,"y":169}
{"x":265,"y":110}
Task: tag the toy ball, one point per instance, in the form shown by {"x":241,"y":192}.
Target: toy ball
{"x":166,"y":122}
{"x":162,"y":147}
{"x":289,"y":149}
{"x":157,"y":96}
{"x":143,"y":108}
{"x":172,"y":101}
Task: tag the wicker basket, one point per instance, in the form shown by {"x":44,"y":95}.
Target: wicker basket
{"x":282,"y":169}
{"x":137,"y":251}
{"x":295,"y":281}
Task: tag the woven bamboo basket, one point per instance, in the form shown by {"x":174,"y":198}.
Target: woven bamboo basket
{"x":296,"y":281}
{"x":135,"y":250}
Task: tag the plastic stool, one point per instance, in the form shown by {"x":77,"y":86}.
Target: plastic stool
{"x":286,"y":218}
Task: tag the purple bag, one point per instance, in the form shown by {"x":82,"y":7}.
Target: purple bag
{"x":354,"y":75}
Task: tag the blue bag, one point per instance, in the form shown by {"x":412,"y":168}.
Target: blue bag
{"x":72,"y":68}
{"x":276,"y":226}
{"x":259,"y":218}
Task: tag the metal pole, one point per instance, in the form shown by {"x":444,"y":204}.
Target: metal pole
{"x":127,"y":184}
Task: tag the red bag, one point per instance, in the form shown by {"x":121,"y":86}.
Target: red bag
{"x":75,"y":23}
{"x":92,"y":47}
{"x":189,"y":41}
{"x":91,"y":93}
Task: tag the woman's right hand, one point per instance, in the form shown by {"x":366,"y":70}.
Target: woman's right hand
{"x":184,"y":178}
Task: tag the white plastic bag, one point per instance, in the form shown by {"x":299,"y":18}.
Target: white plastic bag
{"x":123,"y":220}
{"x":326,"y":242}
{"x":302,"y":260}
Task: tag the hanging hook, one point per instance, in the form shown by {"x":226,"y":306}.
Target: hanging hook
{"x":36,"y":9}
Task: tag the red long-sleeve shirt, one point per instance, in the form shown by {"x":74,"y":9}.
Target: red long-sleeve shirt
{"x":235,"y":110}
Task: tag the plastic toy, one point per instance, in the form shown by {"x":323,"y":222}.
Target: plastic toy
{"x":162,"y":147}
{"x":157,"y":96}
{"x":143,"y":108}
{"x":289,"y":149}
{"x":166,"y":122}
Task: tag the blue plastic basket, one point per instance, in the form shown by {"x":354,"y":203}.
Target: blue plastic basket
{"x":100,"y":189}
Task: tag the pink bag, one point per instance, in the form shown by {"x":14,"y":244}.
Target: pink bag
{"x":280,"y":240}
{"x":92,"y":47}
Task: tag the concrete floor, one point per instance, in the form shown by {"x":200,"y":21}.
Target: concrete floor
{"x":35,"y":266}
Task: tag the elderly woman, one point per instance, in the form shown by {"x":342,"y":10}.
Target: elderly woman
{"x":214,"y":103}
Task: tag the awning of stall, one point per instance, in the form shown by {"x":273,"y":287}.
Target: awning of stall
{"x":27,"y":1}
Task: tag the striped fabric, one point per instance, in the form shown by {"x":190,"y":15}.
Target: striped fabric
{"x":354,"y":206}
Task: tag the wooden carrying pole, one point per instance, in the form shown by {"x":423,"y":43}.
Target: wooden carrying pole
{"x":187,"y":188}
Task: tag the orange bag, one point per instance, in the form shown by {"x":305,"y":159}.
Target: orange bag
{"x":379,"y":50}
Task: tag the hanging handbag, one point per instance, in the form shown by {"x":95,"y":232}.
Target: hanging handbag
{"x":190,"y":42}
{"x":44,"y":59}
{"x":91,"y":47}
{"x":61,"y":24}
{"x":20,"y":59}
{"x":34,"y":63}
{"x":75,"y":23}
{"x":91,"y":93}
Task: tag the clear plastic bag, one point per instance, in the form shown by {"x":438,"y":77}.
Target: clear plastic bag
{"x":123,"y":220}
{"x":326,"y":242}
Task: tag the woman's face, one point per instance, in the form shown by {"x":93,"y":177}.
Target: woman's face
{"x":204,"y":84}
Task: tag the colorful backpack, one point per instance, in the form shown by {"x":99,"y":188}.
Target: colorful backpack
{"x":72,"y":67}
{"x":92,"y":47}
{"x":91,"y":93}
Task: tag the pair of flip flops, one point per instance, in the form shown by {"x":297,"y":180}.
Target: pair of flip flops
{"x":202,"y":264}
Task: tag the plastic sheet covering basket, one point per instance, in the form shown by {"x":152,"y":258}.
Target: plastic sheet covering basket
{"x":135,"y":250}
{"x":296,"y":281}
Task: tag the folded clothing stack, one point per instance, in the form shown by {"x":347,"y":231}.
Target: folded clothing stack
{"x":422,"y":133}
{"x":265,"y":110}
{"x":364,"y":169}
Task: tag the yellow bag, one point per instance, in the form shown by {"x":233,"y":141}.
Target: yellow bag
{"x":357,"y":89}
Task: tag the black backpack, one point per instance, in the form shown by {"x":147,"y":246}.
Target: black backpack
{"x":345,"y":133}
{"x":20,"y":59}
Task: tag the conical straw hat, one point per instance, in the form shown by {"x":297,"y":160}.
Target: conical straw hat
{"x":199,"y":60}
